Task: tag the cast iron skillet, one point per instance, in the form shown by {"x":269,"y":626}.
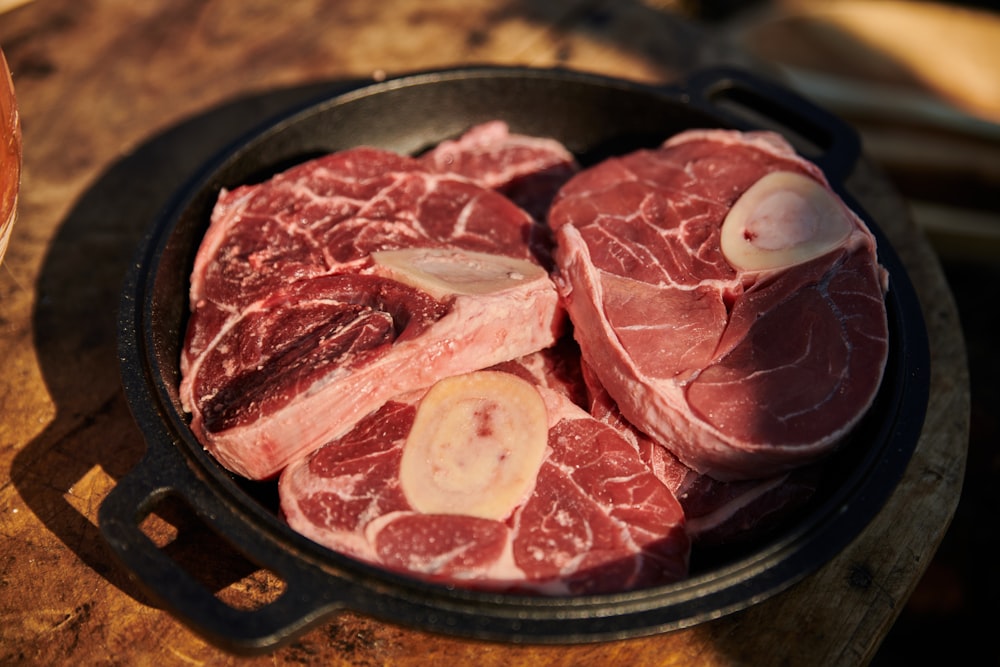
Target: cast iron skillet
{"x":595,"y":117}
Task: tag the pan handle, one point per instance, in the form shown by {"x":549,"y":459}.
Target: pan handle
{"x":748,"y":100}
{"x":309,"y":596}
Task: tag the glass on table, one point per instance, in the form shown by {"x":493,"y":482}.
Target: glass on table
{"x":10,"y":154}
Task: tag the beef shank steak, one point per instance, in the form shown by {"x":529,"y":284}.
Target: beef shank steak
{"x":491,"y":481}
{"x":324,"y":291}
{"x":728,"y":301}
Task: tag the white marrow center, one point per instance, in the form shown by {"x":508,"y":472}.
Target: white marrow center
{"x":782,"y":220}
{"x":477,"y":443}
{"x":444,"y":271}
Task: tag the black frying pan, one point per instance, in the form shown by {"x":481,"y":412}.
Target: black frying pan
{"x":595,"y":117}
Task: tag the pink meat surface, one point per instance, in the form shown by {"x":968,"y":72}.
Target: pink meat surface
{"x":527,"y":169}
{"x":715,"y":512}
{"x":329,"y":214}
{"x":294,"y":334}
{"x":744,"y":374}
{"x":597,"y":520}
{"x":722,"y":513}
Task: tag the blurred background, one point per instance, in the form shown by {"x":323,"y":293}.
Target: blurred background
{"x":921,"y":83}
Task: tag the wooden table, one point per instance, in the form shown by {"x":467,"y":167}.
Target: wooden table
{"x":120,"y":103}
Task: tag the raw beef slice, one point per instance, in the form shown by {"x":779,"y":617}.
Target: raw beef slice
{"x":731,"y":304}
{"x":527,"y":169}
{"x":321,"y":293}
{"x":490,"y":481}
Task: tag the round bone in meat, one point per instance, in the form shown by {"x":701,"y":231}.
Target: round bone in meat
{"x":784,"y":219}
{"x":443,"y":272}
{"x":475,"y":447}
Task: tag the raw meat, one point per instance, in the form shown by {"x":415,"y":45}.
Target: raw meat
{"x":595,"y":518}
{"x":329,"y":214}
{"x":723,"y":513}
{"x":527,"y":169}
{"x":745,"y":372}
{"x":343,"y":311}
{"x":321,"y":293}
{"x":715,"y":512}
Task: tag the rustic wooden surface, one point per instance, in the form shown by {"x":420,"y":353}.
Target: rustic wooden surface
{"x":120,"y":102}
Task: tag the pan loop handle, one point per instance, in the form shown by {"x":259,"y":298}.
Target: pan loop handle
{"x":750,"y":101}
{"x":309,"y":595}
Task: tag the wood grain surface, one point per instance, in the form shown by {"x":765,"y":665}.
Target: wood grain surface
{"x":120,"y":104}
